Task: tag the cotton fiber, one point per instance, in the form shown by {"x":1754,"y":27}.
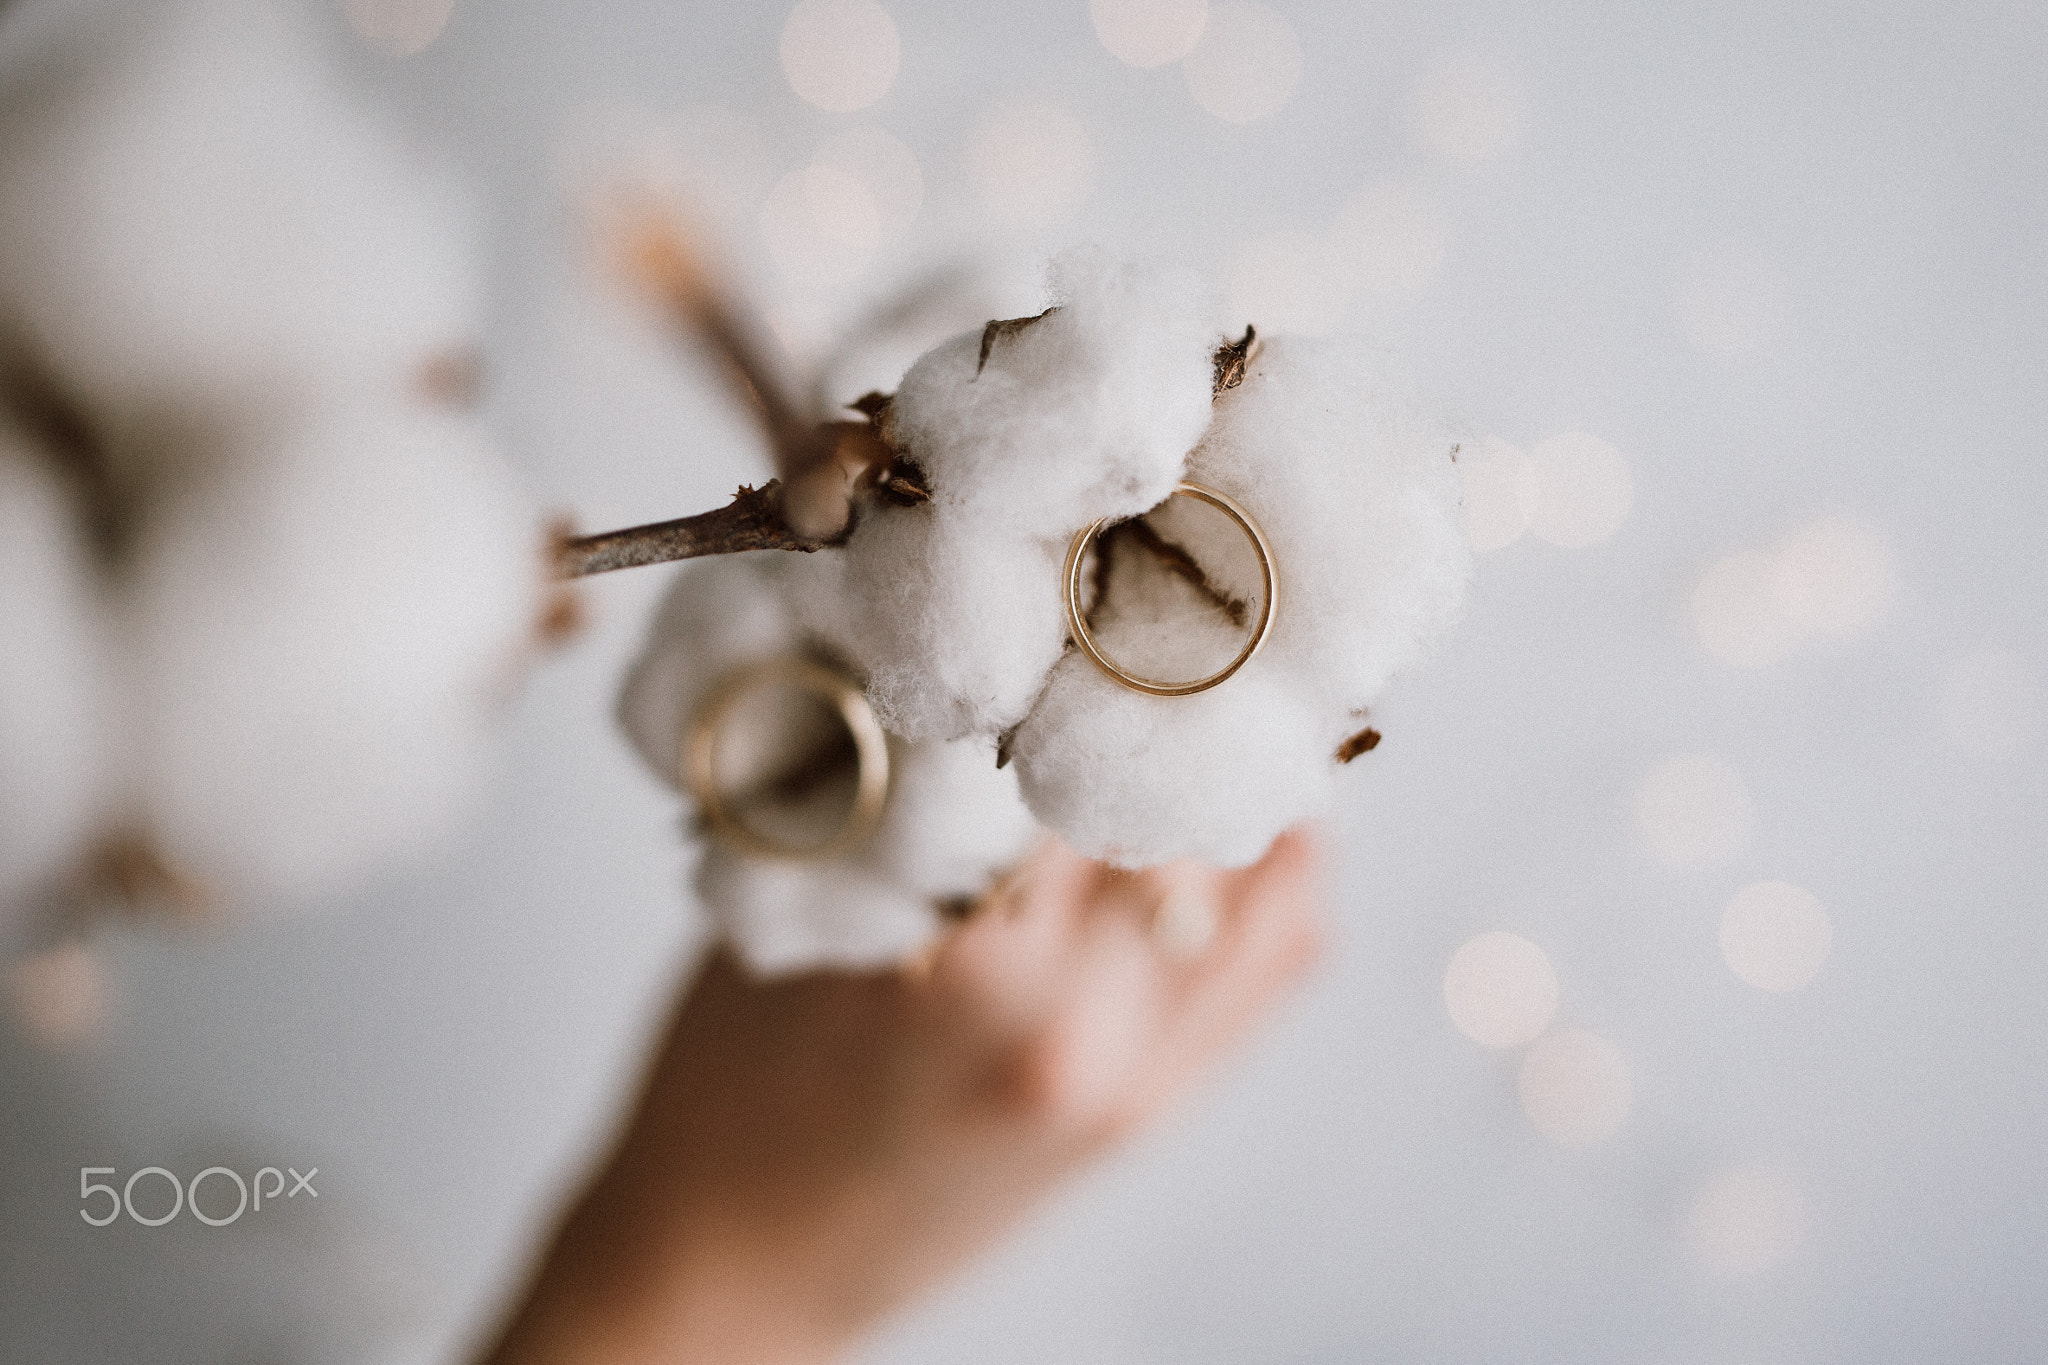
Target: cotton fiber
{"x":952,"y":821}
{"x":1021,"y":433}
{"x":248,"y":317}
{"x":323,"y":630}
{"x":1350,"y":475}
{"x":195,"y":217}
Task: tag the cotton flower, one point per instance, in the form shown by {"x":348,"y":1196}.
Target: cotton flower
{"x":1349,"y":474}
{"x":947,"y":595}
{"x":325,"y":626}
{"x":197,"y":218}
{"x":952,"y":608}
{"x":951,"y":823}
{"x":245,"y":320}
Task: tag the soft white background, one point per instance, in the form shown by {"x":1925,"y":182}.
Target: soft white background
{"x":1365,"y":1185}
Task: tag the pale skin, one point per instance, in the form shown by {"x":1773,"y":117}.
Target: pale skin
{"x":806,"y":1156}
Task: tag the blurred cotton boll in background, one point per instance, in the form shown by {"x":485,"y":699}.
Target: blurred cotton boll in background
{"x":197,"y":219}
{"x":327,"y":631}
{"x":243,"y":332}
{"x":53,"y":717}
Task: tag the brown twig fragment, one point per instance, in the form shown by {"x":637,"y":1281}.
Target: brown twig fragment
{"x":129,"y":868}
{"x":904,"y":484}
{"x":751,"y":521}
{"x":1173,"y":558}
{"x":660,"y":255}
{"x":1233,"y":358}
{"x":998,"y":328}
{"x":1365,"y":741}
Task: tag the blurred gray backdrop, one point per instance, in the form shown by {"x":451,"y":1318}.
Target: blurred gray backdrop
{"x":1791,"y":262}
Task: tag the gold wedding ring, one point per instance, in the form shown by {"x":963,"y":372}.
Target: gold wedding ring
{"x":844,"y":695}
{"x":1269,"y":579}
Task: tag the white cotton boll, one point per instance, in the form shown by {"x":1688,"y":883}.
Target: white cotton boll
{"x":321,"y":634}
{"x":718,"y":615}
{"x":1139,"y":780}
{"x":952,"y":821}
{"x":1348,"y":471}
{"x":1349,"y":475}
{"x":52,"y":719}
{"x":953,"y":824}
{"x":194,"y":214}
{"x":953,"y":623}
{"x":1088,"y":412}
{"x":787,"y":917}
{"x":953,"y":607}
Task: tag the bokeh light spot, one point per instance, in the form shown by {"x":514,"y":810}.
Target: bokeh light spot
{"x":1738,"y":615}
{"x":1692,"y":810}
{"x":1775,"y":936}
{"x":398,"y":28}
{"x":1500,"y":493}
{"x":1247,"y":64}
{"x":1500,"y":989}
{"x":59,"y":995}
{"x":885,"y":167}
{"x":840,"y":55}
{"x":1834,"y":575}
{"x":821,"y":225}
{"x":1831,"y":576}
{"x":1991,"y":704}
{"x":1032,"y":164}
{"x":1747,"y":1220}
{"x":1468,"y":109}
{"x":1290,"y":283}
{"x":1575,"y":1087}
{"x":1393,"y":234}
{"x":1584,"y":490}
{"x":1149,"y":33}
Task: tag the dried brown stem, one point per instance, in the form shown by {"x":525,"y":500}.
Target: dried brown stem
{"x":31,"y":396}
{"x":1233,"y":358}
{"x":661,"y":255}
{"x":998,"y":329}
{"x":751,"y":521}
{"x":824,"y":465}
{"x":1173,"y":558}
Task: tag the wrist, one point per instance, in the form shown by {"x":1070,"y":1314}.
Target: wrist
{"x":605,"y":1296}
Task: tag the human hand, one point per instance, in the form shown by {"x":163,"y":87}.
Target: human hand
{"x":809,"y":1154}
